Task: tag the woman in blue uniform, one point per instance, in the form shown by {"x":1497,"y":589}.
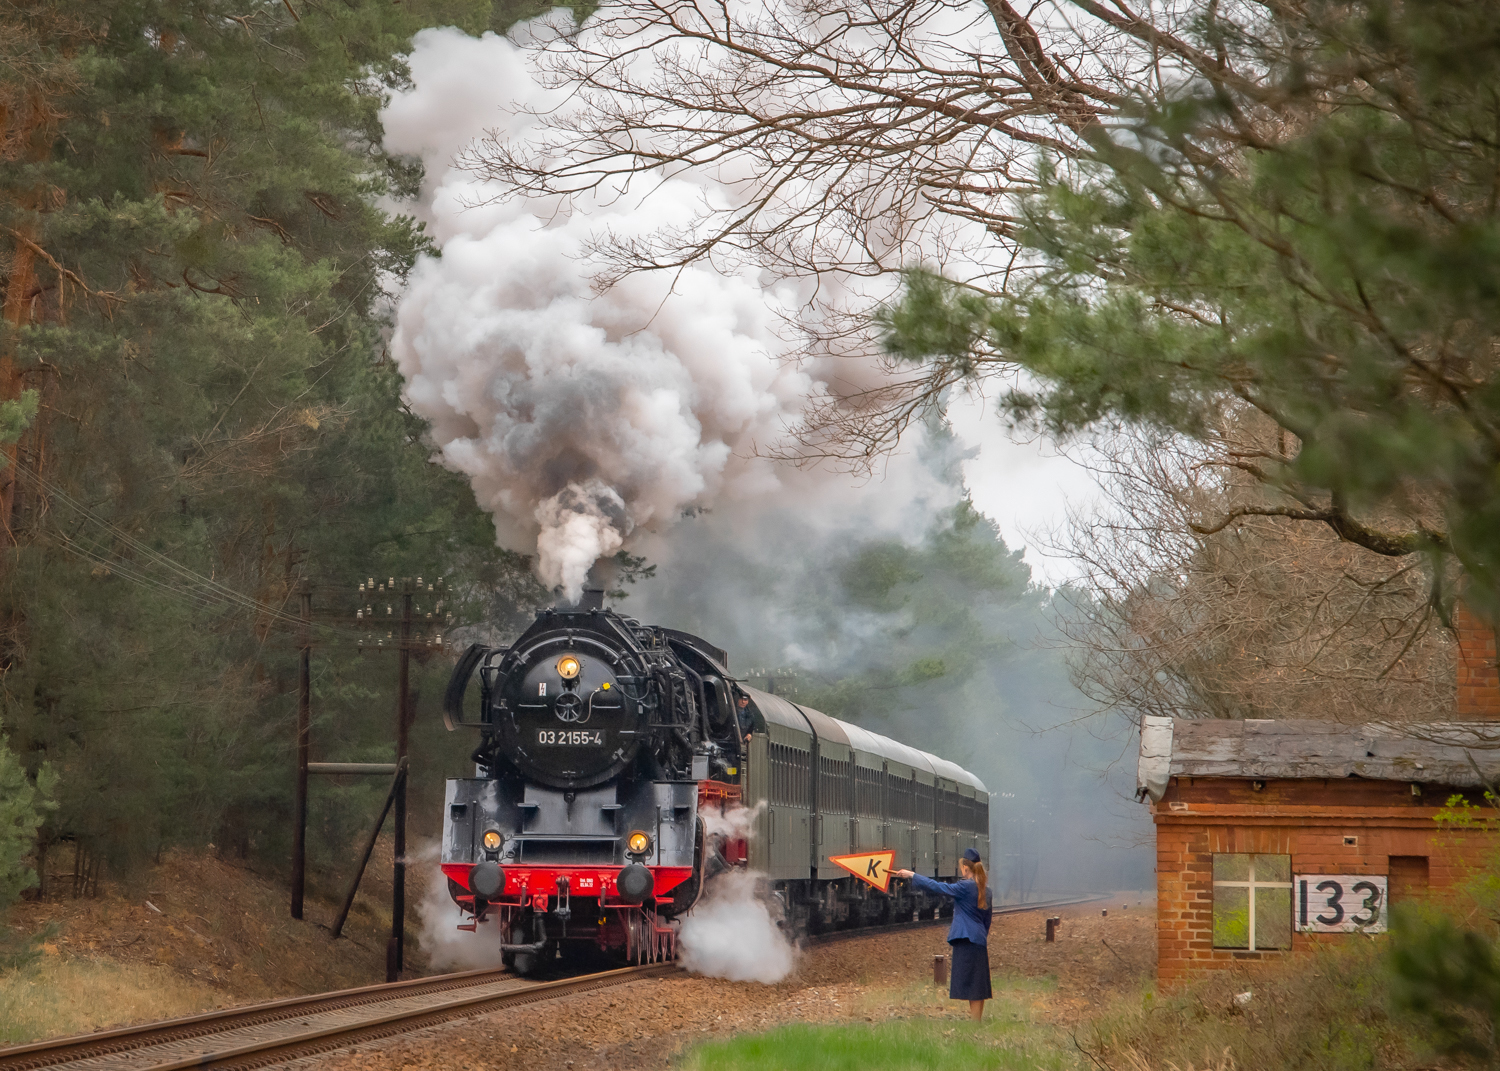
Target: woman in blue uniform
{"x":969,"y":935}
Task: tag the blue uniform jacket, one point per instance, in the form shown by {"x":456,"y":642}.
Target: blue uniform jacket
{"x":970,"y":921}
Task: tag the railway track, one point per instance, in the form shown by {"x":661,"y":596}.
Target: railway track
{"x":278,"y":1032}
{"x":263,"y":1035}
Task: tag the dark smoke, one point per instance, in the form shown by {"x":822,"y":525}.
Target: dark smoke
{"x":935,"y":635}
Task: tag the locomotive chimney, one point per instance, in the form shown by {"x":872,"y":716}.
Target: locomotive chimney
{"x":591,"y":599}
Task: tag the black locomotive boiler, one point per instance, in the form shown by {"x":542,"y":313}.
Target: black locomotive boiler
{"x":614,"y":762}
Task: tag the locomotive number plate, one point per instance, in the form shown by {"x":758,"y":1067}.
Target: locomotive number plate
{"x":570,"y":737}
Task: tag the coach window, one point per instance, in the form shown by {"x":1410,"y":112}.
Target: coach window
{"x":1252,"y":901}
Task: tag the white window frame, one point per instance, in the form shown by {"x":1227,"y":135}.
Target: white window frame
{"x":1251,"y":884}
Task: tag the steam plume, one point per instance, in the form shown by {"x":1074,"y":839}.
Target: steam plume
{"x":449,"y":948}
{"x":732,"y":934}
{"x":579,"y":415}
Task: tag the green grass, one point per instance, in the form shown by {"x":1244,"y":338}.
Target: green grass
{"x":932,"y":1033}
{"x":908,"y":1044}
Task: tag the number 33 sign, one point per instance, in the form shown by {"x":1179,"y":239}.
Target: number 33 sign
{"x":1341,"y":903}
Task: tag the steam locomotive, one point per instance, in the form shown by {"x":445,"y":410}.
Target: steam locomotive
{"x":621,"y":768}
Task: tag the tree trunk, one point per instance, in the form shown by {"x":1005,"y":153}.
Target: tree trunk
{"x":20,"y":293}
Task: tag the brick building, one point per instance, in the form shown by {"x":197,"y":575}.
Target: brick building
{"x":1273,"y":834}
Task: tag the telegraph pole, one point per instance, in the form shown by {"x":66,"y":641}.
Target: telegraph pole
{"x":403,"y":644}
{"x":396,"y":947}
{"x":432,"y":640}
{"x":304,"y":741}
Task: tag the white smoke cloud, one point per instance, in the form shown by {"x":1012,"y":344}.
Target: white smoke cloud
{"x":448,"y":948}
{"x":590,"y":419}
{"x":733,"y":933}
{"x":733,"y":823}
{"x":580,"y":524}
{"x":581,"y":416}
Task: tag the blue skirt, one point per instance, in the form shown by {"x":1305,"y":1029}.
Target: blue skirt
{"x":971,"y":971}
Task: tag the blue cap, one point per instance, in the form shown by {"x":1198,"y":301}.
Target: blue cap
{"x":971,"y":855}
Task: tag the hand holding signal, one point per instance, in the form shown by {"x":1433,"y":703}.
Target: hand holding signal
{"x":901,"y":873}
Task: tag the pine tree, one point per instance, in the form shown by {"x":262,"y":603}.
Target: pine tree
{"x":1305,"y":226}
{"x":194,"y":258}
{"x":23,"y":803}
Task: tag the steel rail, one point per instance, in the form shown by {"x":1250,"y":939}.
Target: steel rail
{"x":131,"y":1047}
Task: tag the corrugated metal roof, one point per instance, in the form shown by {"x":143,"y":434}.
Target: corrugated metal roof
{"x":1456,"y":754}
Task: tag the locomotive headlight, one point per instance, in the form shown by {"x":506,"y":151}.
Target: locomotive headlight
{"x":492,"y":840}
{"x":638,"y":843}
{"x":568,"y":667}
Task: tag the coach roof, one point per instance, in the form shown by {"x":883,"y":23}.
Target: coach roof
{"x":794,"y":716}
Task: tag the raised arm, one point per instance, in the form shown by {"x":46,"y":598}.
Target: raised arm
{"x":926,"y":884}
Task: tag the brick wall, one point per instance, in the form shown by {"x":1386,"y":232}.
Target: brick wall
{"x":1395,"y":834}
{"x":1478,"y":682}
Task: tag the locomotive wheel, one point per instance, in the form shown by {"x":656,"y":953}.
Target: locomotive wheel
{"x":523,"y":963}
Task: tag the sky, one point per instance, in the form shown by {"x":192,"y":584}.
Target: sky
{"x":1025,"y":485}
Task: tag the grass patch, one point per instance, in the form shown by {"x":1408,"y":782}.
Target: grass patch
{"x":906,"y":1045}
{"x":1327,"y":1009}
{"x":932,"y":1032}
{"x":60,"y":995}
{"x":1016,"y":1000}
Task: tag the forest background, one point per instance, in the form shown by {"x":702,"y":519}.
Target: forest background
{"x":200,"y":417}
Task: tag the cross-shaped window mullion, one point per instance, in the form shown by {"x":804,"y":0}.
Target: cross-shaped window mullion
{"x":1250,"y":885}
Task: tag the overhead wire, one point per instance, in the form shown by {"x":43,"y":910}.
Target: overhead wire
{"x":203,"y":591}
{"x":116,"y":567}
